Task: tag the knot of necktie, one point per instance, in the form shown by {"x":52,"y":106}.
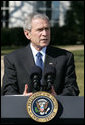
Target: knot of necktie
{"x":39,"y":55}
{"x":39,"y":61}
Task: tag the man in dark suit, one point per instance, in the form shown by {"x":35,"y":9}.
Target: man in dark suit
{"x":18,"y":64}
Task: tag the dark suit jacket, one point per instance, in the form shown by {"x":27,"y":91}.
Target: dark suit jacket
{"x":18,"y":64}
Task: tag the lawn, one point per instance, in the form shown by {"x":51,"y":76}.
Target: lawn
{"x":7,"y":49}
{"x":79,"y":65}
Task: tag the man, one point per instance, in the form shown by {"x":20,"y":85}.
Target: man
{"x":18,"y":63}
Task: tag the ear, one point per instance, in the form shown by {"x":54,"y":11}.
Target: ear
{"x":27,"y":34}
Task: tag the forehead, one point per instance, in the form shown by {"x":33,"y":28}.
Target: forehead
{"x":38,"y":22}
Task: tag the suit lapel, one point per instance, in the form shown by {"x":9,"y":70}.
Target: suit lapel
{"x":28,"y":58}
{"x":49,"y":58}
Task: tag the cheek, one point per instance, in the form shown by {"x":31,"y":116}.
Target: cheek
{"x":49,"y":33}
{"x":36,"y":35}
{"x":35,"y":39}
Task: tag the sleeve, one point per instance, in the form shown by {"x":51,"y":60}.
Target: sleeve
{"x":70,"y":84}
{"x":9,"y":83}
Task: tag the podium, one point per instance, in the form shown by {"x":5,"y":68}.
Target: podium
{"x":70,"y":110}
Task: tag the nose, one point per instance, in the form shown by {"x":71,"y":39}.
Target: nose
{"x":44,"y":32}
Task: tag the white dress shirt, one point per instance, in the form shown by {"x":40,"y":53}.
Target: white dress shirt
{"x":34,"y":51}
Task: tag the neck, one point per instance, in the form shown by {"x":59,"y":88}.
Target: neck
{"x":38,"y":48}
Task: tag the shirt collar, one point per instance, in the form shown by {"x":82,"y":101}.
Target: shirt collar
{"x":34,"y":51}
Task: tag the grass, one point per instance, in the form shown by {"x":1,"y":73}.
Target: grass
{"x":7,"y":49}
{"x":79,"y":65}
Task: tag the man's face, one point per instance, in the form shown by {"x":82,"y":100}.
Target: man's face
{"x":40,"y":33}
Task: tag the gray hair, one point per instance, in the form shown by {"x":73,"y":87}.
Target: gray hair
{"x":30,"y":17}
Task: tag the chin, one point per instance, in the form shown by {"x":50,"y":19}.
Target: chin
{"x":44,"y":45}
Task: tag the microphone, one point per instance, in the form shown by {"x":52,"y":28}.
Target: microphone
{"x":50,"y":74}
{"x":35,"y":76}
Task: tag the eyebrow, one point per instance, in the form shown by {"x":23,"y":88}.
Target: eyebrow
{"x":43,"y":28}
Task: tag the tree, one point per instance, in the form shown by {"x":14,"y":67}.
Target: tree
{"x":74,"y":21}
{"x":48,"y":8}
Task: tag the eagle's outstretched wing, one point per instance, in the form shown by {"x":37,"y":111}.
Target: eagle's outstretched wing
{"x":46,"y":105}
{"x":38,"y":106}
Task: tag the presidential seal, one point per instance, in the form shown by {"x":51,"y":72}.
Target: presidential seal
{"x":42,"y":106}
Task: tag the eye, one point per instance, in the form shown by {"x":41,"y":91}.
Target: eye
{"x":40,"y":29}
{"x":47,"y":28}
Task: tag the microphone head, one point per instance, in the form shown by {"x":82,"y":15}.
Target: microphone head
{"x":35,"y":77}
{"x":36,"y":70}
{"x":49,"y":76}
